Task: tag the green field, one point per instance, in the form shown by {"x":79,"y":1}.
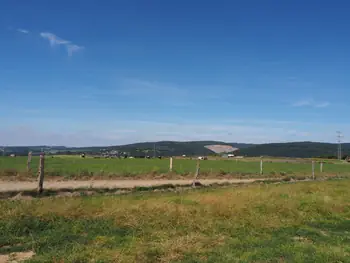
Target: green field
{"x":76,"y":167}
{"x":300,"y":222}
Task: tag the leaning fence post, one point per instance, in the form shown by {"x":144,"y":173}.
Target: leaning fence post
{"x":196,"y":174}
{"x":171,"y":164}
{"x":29,"y":161}
{"x":41,"y":173}
{"x":261,"y":166}
{"x":313,"y":170}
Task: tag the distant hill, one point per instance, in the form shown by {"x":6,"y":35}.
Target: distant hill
{"x":23,"y":150}
{"x":195,"y":148}
{"x":296,"y":149}
{"x":171,"y":148}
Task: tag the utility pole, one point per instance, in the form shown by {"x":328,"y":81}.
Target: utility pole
{"x":339,"y":138}
{"x":154,"y":150}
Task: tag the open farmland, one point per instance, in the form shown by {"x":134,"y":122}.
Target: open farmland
{"x":73,"y":167}
{"x":301,"y":222}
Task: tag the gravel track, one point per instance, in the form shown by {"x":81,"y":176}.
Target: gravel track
{"x":8,"y":186}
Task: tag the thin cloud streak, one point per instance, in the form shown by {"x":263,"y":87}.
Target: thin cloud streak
{"x":56,"y":41}
{"x":301,"y":103}
{"x":322,"y":105}
{"x":311,"y":103}
{"x":24,"y":31}
{"x":53,"y":39}
{"x":73,"y":48}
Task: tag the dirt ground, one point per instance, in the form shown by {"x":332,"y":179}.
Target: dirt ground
{"x":16,"y":257}
{"x":12,"y":186}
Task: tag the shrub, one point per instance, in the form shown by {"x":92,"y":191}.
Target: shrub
{"x":222,"y":171}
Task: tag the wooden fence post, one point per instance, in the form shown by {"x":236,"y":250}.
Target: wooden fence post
{"x":171,"y":164}
{"x":41,"y":173}
{"x":196,"y":174}
{"x":261,"y":166}
{"x":321,"y":167}
{"x":29,"y":161}
{"x":313,"y":170}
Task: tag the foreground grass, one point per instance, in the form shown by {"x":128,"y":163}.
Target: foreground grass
{"x":303,"y":222}
{"x":75,"y":167}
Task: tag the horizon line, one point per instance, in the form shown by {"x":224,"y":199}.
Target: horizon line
{"x":155,"y":142}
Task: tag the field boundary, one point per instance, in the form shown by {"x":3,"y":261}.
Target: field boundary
{"x":6,"y":186}
{"x":165,"y":186}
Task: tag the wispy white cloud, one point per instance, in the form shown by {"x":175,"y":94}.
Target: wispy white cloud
{"x":56,"y":41}
{"x":301,"y":103}
{"x":322,"y":104}
{"x":21,"y":30}
{"x":311,"y":103}
{"x":71,"y":49}
{"x":53,"y":39}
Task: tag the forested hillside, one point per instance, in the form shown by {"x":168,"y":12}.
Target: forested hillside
{"x":195,"y":148}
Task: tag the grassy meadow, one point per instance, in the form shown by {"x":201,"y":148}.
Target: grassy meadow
{"x":76,"y":167}
{"x":300,"y":222}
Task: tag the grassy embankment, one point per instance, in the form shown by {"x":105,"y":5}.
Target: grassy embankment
{"x":303,"y":222}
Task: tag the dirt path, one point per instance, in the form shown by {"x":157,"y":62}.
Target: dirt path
{"x":8,"y":186}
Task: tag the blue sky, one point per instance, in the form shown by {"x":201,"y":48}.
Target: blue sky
{"x":90,"y":73}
